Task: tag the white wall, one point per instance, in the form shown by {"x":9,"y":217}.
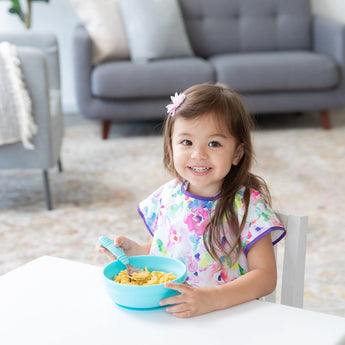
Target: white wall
{"x":330,"y":8}
{"x":58,"y":16}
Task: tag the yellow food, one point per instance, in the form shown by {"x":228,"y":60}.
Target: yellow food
{"x":144,"y":278}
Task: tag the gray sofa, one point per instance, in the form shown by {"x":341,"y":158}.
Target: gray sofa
{"x":277,"y":55}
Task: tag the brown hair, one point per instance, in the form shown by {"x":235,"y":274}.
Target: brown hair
{"x":229,"y":110}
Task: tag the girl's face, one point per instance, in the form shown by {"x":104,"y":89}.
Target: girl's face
{"x":203,"y":153}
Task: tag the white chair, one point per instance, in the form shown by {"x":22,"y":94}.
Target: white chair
{"x":292,"y":285}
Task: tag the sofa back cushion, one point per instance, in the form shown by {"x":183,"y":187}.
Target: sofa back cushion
{"x":227,"y":26}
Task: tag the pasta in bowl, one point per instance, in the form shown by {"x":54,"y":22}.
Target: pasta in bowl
{"x":143,"y":296}
{"x":145,"y":277}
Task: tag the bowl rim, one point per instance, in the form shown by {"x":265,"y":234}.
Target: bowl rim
{"x":110,"y":281}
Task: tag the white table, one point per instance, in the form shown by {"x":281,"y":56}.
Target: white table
{"x":55,"y":301}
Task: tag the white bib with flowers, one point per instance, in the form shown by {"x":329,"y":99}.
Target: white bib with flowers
{"x":177,"y":219}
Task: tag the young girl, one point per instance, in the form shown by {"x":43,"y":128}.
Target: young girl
{"x":215,"y":215}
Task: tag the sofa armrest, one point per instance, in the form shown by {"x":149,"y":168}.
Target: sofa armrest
{"x":329,"y":39}
{"x":34,"y":68}
{"x":46,"y":103}
{"x":46,"y":43}
{"x":82,"y":61}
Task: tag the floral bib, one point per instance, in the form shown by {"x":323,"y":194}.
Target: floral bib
{"x":177,"y":219}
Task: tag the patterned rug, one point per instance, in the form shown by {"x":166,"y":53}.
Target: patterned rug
{"x":103,"y":181}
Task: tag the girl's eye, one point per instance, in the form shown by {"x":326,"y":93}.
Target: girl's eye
{"x":214,"y":144}
{"x":186,"y":142}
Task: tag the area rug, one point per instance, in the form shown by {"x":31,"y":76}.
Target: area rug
{"x":103,"y":181}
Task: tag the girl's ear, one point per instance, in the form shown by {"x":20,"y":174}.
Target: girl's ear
{"x":239,"y":152}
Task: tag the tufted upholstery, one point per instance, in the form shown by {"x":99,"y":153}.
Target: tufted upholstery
{"x":227,"y":26}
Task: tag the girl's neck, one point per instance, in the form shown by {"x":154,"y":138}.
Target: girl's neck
{"x":208,"y":193}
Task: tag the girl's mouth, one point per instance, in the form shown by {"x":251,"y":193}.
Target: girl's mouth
{"x":200,"y":169}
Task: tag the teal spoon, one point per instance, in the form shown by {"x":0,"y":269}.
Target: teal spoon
{"x":107,"y":243}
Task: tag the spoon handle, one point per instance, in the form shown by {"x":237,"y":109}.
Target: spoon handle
{"x":107,"y":243}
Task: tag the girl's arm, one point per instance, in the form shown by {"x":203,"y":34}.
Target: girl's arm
{"x":259,"y":281}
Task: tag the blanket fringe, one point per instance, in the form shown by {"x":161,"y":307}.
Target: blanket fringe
{"x":20,"y":95}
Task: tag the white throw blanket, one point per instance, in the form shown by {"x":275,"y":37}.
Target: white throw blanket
{"x":16,"y":122}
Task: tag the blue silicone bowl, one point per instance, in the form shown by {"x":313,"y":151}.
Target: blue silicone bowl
{"x":143,"y":297}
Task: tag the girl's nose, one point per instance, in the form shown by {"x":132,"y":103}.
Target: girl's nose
{"x":199,"y":153}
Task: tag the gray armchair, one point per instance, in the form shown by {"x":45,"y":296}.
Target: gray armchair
{"x":38,"y":54}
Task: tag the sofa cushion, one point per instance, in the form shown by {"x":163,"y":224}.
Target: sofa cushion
{"x":226,"y":26}
{"x":154,"y":29}
{"x":276,"y":71}
{"x":126,"y":80}
{"x":102,"y":20}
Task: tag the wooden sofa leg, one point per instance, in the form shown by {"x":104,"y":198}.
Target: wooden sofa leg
{"x":325,"y":120}
{"x":105,"y":128}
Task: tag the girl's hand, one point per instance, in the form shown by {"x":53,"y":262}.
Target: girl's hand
{"x":192,"y":301}
{"x":129,"y":246}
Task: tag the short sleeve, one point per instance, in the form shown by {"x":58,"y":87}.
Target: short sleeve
{"x":261,"y":220}
{"x":149,"y":209}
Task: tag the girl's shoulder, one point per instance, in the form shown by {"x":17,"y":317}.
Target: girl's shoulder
{"x":173,"y":185}
{"x":258,"y":209}
{"x":168,"y":188}
{"x":255,"y":199}
{"x":253,"y":192}
{"x":255,"y":196}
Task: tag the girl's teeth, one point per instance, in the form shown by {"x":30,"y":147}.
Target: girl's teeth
{"x":199,"y":169}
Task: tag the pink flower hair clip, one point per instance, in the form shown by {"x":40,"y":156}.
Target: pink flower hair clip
{"x":177,"y":100}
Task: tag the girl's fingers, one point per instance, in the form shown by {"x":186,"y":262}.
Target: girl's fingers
{"x":183,"y":288}
{"x":172,"y":300}
{"x":102,"y":250}
{"x":122,"y":242}
{"x":180,"y":310}
{"x":118,"y":241}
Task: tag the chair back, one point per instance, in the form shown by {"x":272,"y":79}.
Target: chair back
{"x":293,"y":266}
